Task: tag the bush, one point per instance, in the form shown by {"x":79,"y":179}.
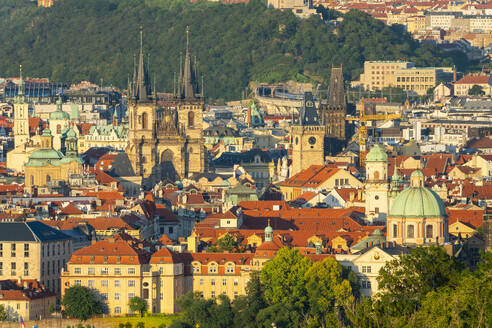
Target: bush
{"x":140,"y":325}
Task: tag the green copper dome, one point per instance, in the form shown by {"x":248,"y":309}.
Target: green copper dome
{"x":58,"y":114}
{"x":377,"y":154}
{"x":46,"y":154}
{"x":417,"y":201}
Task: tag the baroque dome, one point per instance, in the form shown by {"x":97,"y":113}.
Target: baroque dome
{"x":377,"y":154}
{"x":417,"y":201}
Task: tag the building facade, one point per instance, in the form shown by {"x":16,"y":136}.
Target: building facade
{"x":33,"y":251}
{"x":166,"y":143}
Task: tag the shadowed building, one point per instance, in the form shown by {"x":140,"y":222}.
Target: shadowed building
{"x":166,"y":143}
{"x":332,"y":113}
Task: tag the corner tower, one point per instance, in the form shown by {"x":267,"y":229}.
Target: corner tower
{"x":307,"y":137}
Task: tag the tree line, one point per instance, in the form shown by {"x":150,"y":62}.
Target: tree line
{"x":234,"y":44}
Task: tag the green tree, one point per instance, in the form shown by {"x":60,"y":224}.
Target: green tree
{"x":327,"y":292}
{"x":80,"y":302}
{"x":137,"y":304}
{"x":248,"y":307}
{"x":476,"y":90}
{"x":3,"y":313}
{"x":284,"y":278}
{"x":228,"y":243}
{"x":406,"y":281}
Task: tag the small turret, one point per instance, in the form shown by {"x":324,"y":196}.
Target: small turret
{"x":268,"y":232}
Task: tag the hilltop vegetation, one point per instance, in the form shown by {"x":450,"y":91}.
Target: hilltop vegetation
{"x":96,"y":39}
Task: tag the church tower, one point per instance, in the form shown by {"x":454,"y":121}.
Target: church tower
{"x":376,"y":186}
{"x":141,"y":116}
{"x":307,"y":137}
{"x":21,"y":116}
{"x":333,"y":111}
{"x":190,"y":102}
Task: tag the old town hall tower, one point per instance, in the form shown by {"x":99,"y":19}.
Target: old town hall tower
{"x":165,"y":143}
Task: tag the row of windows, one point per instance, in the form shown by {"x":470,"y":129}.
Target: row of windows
{"x":414,"y":79}
{"x":13,"y":250}
{"x":103,"y":271}
{"x":104,"y":283}
{"x":13,"y":269}
{"x":429,"y":231}
{"x":212,"y":269}
{"x":212,"y":294}
{"x":224,"y":282}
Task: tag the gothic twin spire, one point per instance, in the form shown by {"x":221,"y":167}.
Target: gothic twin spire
{"x":187,"y":80}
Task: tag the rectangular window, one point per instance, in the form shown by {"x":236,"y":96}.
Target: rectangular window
{"x":131,"y":283}
{"x":90,"y":283}
{"x":26,"y":269}
{"x":1,"y":268}
{"x":26,"y":250}
{"x":76,"y":270}
{"x":12,"y":250}
{"x":236,"y":282}
{"x":212,"y":282}
{"x":131,"y":270}
{"x":131,"y":295}
{"x":161,"y":296}
{"x":117,"y":310}
{"x":201,"y":282}
{"x":117,"y":271}
{"x":78,"y":282}
{"x":117,"y":283}
{"x":13,"y":267}
{"x":104,"y":271}
{"x":104,"y":283}
{"x":212,"y":294}
{"x":395,"y":230}
{"x":91,"y":271}
{"x":116,"y":296}
{"x":236,"y":294}
{"x":1,"y":249}
{"x":196,"y":269}
{"x":104,"y":296}
{"x":224,"y":282}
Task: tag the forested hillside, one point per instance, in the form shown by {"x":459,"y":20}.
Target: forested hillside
{"x":96,"y":39}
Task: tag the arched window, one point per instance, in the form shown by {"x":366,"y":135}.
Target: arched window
{"x":48,"y":178}
{"x":32,"y":179}
{"x":429,"y":233}
{"x":191,"y":119}
{"x":376,"y":175}
{"x":58,"y":129}
{"x":144,"y":121}
{"x":410,"y":231}
{"x":395,"y":230}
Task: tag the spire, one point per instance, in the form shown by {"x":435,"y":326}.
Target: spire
{"x":188,"y":73}
{"x":20,"y":88}
{"x":134,"y":83}
{"x":142,"y":87}
{"x":309,"y":114}
{"x":336,"y":96}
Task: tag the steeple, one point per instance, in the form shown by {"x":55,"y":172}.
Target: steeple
{"x":142,"y":90}
{"x":336,"y":96}
{"x":308,"y":114}
{"x":188,"y":85}
{"x":20,"y":92}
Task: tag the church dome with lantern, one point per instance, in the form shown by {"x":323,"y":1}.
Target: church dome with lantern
{"x":417,"y":201}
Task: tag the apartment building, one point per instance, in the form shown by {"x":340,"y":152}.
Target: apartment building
{"x":33,"y":251}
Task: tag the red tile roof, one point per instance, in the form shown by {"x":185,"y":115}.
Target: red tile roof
{"x":474,"y":79}
{"x":313,"y":176}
